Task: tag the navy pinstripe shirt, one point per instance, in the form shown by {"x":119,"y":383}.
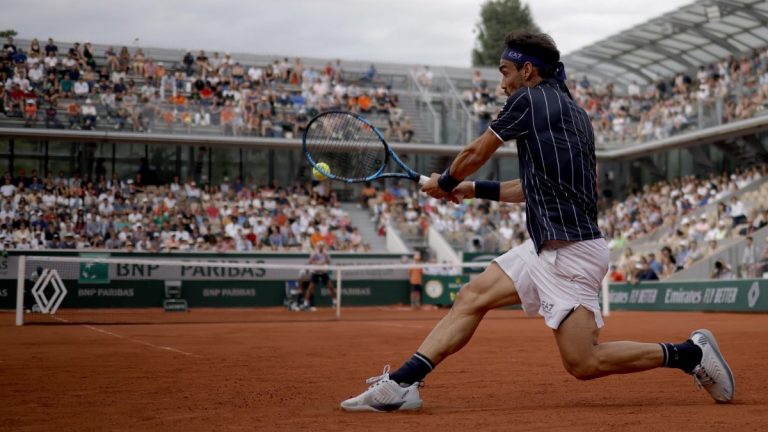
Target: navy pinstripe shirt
{"x":556,"y":150}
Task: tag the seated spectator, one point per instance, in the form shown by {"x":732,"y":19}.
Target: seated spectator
{"x":81,"y":88}
{"x":51,"y":48}
{"x":615,"y":275}
{"x":67,"y":87}
{"x":4,"y":100}
{"x":364,"y":103}
{"x":17,"y":100}
{"x":737,"y":212}
{"x":52,"y":117}
{"x":371,"y":74}
{"x":424,"y":76}
{"x":122,"y":116}
{"x":88,"y":55}
{"x":30,"y":113}
{"x":73,"y":114}
{"x":138,"y":62}
{"x":406,"y":128}
{"x":89,"y":115}
{"x":722,"y":271}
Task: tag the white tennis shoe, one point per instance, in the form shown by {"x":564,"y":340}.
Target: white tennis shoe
{"x":385,"y":395}
{"x":713,"y":374}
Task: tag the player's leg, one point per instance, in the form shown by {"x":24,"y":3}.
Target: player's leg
{"x":585,"y":358}
{"x":492,"y":289}
{"x":310,"y":289}
{"x":400,"y":391}
{"x":570,"y":275}
{"x":331,"y":289}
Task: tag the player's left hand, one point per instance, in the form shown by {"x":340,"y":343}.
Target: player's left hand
{"x":465,"y":189}
{"x":431,"y":188}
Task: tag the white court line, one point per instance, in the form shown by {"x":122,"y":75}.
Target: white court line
{"x":107,"y":332}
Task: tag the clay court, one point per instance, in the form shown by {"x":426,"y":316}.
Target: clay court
{"x":270,"y":369}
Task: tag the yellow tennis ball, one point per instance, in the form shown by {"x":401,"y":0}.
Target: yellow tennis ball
{"x":318,"y":173}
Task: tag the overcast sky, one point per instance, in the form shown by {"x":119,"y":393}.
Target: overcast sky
{"x":436,"y":32}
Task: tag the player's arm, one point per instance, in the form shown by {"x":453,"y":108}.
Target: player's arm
{"x":475,"y":155}
{"x":511,"y":123}
{"x":510,"y":191}
{"x":471,"y":158}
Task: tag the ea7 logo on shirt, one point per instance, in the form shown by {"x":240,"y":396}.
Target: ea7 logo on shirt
{"x":546,"y":307}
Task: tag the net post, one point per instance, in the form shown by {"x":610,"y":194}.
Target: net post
{"x":338,"y":292}
{"x":606,"y":297}
{"x":20,"y":277}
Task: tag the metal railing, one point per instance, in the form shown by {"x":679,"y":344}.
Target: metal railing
{"x":426,"y":111}
{"x":459,"y":120}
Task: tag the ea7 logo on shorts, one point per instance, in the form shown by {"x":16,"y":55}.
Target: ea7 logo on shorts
{"x":546,"y":307}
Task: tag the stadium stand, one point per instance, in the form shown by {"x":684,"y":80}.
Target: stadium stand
{"x":691,"y":217}
{"x":75,"y":213}
{"x":722,"y":92}
{"x":95,"y":89}
{"x":147,"y":90}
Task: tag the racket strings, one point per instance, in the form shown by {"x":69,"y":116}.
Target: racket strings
{"x":350,"y":147}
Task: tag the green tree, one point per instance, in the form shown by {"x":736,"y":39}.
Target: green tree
{"x":6,"y":33}
{"x":497,"y":18}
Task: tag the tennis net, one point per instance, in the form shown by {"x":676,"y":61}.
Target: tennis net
{"x":104,"y":289}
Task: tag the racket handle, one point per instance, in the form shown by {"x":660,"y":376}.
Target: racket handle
{"x":423,"y":179}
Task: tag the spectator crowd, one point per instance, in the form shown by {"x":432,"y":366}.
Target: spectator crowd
{"x":734,"y":88}
{"x":472,"y":226}
{"x":667,"y":209}
{"x":61,"y":212}
{"x":129,"y":90}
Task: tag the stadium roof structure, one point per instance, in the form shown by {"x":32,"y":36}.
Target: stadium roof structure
{"x":697,"y":34}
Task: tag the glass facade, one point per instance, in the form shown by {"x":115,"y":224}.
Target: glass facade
{"x":160,"y":163}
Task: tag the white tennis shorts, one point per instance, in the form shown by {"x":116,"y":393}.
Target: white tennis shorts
{"x":559,"y":279}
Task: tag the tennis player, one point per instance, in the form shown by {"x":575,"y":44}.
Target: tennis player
{"x":558,"y":272}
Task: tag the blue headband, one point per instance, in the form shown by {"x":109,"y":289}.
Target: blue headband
{"x":518,"y":57}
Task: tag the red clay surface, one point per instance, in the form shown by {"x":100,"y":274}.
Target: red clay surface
{"x":274,"y":370}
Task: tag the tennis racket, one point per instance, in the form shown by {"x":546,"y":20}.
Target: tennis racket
{"x":346,"y":147}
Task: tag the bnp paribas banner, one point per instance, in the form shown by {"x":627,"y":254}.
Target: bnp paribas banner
{"x":747,"y":295}
{"x":99,"y":273}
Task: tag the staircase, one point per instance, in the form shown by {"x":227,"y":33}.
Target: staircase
{"x":361,"y":219}
{"x":408,"y":104}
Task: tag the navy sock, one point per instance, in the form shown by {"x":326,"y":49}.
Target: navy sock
{"x":685,"y":356}
{"x":413,"y":370}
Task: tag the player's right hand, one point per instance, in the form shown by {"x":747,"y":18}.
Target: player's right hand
{"x":431,"y":188}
